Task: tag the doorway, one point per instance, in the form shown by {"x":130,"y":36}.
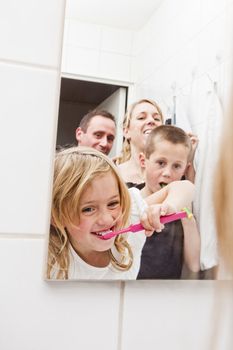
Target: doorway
{"x":78,"y":97}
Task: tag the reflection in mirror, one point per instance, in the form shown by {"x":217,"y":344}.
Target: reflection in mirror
{"x":86,"y":239}
{"x":79,"y":97}
{"x":147,"y":50}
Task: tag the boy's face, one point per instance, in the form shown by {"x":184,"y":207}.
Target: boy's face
{"x":166,"y":164}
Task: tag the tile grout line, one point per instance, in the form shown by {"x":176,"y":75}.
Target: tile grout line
{"x":25,"y":64}
{"x":22,"y":235}
{"x":120,"y":316}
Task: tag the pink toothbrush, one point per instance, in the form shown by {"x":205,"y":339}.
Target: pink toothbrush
{"x":138,"y":227}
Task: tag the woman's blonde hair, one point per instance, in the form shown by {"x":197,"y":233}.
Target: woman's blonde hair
{"x":75,"y":168}
{"x":223,"y":196}
{"x":126,"y":149}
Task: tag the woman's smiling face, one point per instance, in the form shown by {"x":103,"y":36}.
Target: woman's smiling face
{"x":145,"y":117}
{"x":100,"y":211}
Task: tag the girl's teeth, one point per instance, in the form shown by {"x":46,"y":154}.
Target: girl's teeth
{"x":103,"y":233}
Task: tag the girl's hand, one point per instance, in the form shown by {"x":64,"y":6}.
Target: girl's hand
{"x":150,"y":219}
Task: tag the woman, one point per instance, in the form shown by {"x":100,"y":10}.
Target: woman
{"x":141,"y":117}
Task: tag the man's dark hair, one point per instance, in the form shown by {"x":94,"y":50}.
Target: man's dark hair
{"x":87,"y":118}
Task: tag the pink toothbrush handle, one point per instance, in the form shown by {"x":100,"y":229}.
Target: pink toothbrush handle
{"x":163,"y":219}
{"x":173,"y":217}
{"x":138,"y":227}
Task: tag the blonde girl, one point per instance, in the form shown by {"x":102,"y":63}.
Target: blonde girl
{"x":75,"y":169}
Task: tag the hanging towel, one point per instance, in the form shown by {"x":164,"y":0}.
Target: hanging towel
{"x":205,"y":163}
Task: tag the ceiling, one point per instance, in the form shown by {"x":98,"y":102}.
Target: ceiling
{"x":123,"y":14}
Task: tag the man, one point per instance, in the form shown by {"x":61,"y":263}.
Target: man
{"x":97,"y":129}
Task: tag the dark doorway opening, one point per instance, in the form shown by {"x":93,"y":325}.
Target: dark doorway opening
{"x":78,"y":97}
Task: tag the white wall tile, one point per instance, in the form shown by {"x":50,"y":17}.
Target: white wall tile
{"x":185,"y":27}
{"x":167,"y":315}
{"x":169,"y":9}
{"x":164,"y":41}
{"x":64,"y":45}
{"x":213,"y":44}
{"x":161,"y":81}
{"x":187,"y":60}
{"x":97,"y":51}
{"x":66,"y":31}
{"x":39,"y":315}
{"x":135,"y":64}
{"x":141,"y":40}
{"x":82,"y":61}
{"x":85,"y":35}
{"x":113,"y":66}
{"x":146,"y":63}
{"x":116,"y":40}
{"x":30,"y":31}
{"x":210,"y":9}
{"x":64,"y":58}
{"x":28,"y":112}
{"x":184,"y":49}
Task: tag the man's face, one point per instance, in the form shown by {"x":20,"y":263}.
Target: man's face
{"x":100,"y":134}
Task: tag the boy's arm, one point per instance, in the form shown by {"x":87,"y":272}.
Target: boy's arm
{"x":190,"y":171}
{"x":191,"y":244}
{"x":173,"y":197}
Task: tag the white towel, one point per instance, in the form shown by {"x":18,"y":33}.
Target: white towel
{"x":205,"y":163}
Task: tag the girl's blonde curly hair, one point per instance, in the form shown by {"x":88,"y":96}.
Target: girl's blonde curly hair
{"x":75,"y":168}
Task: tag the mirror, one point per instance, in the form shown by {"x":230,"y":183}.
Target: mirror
{"x":152,"y":50}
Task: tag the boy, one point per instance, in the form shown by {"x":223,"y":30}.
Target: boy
{"x":165,"y":159}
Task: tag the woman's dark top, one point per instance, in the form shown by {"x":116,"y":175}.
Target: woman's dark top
{"x":132,"y":184}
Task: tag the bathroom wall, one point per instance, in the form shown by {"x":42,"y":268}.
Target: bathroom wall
{"x":35,"y":314}
{"x":179,"y":57}
{"x":184,"y":49}
{"x":97,"y":51}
